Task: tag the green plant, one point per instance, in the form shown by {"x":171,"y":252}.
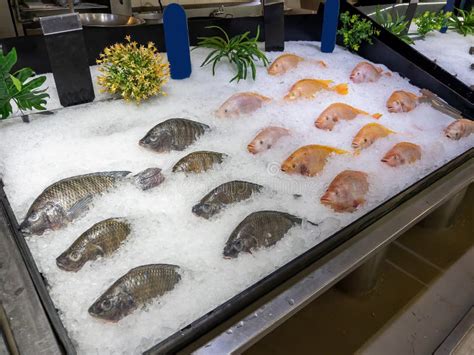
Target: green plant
{"x":241,"y":51}
{"x":431,"y":21}
{"x":462,"y":22}
{"x":355,"y":30}
{"x":397,"y":26}
{"x":17,"y":88}
{"x":135,"y":72}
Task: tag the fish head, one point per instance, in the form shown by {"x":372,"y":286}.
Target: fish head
{"x":326,"y":121}
{"x":455,"y":130}
{"x":276,"y":68}
{"x":361,"y":142}
{"x":158,"y":140}
{"x":393,"y":159}
{"x":206,"y":210}
{"x":112,"y":306}
{"x":293,"y":94}
{"x":259,"y":145}
{"x":335,"y":196}
{"x":230,"y":108}
{"x":295,"y":164}
{"x":400,"y":102}
{"x":240,"y":244}
{"x":358,"y":75}
{"x":72,"y":259}
{"x":49,"y":217}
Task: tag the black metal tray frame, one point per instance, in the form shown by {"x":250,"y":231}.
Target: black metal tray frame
{"x":387,"y":49}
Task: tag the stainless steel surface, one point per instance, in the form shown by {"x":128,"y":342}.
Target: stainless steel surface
{"x":401,"y":8}
{"x":337,"y":264}
{"x":458,"y":338}
{"x":26,"y":317}
{"x":7,"y":341}
{"x":363,"y":279}
{"x":109,"y":20}
{"x":422,"y":326}
{"x":443,"y":217}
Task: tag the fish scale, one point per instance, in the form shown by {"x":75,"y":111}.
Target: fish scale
{"x":198,"y":162}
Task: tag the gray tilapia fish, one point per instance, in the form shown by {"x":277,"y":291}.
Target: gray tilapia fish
{"x":223,"y":195}
{"x":67,"y":199}
{"x":102,"y":239}
{"x":173,"y":134}
{"x":260,"y":230}
{"x":197,"y":162}
{"x":135,"y":289}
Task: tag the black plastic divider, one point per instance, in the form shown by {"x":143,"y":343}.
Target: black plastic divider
{"x":51,"y":312}
{"x":300,"y":27}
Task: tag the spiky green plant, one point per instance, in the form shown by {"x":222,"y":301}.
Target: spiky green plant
{"x":431,"y":21}
{"x":462,"y":22}
{"x":241,"y":51}
{"x":397,"y":26}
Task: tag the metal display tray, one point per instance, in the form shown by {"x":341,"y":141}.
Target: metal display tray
{"x":386,"y":49}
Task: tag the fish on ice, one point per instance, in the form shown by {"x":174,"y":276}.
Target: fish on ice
{"x":137,"y":288}
{"x":266,"y":138}
{"x":309,"y":160}
{"x":347,"y":191}
{"x":460,"y":128}
{"x":339,"y":111}
{"x":365,"y":72}
{"x":402,"y":153}
{"x":102,"y":239}
{"x":308,"y":88}
{"x":65,"y":200}
{"x":402,"y":101}
{"x":224,"y":195}
{"x":260,"y":230}
{"x":242,"y":103}
{"x":173,"y":134}
{"x":198,"y":162}
{"x":288,"y":61}
{"x":368,"y":134}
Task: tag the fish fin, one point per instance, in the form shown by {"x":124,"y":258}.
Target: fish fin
{"x":114,"y":174}
{"x":356,"y":152}
{"x":148,"y":178}
{"x":388,"y":74}
{"x":377,"y":115}
{"x":379,"y":69}
{"x":79,"y":207}
{"x":100,"y":251}
{"x":341,"y":89}
{"x":319,"y":62}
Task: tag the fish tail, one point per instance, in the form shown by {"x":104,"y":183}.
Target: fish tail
{"x":340,"y":151}
{"x":148,"y":178}
{"x":321,"y":63}
{"x":377,"y":115}
{"x":341,"y":89}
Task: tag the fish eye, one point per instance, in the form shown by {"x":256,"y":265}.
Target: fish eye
{"x":238,"y":245}
{"x":74,"y":256}
{"x":261,"y":142}
{"x":226,"y":110}
{"x":34,"y":216}
{"x":365,"y":140}
{"x":105,"y":304}
{"x":294,"y":166}
{"x":153,"y":138}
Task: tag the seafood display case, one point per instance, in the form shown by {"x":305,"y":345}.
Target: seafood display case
{"x":386,"y":49}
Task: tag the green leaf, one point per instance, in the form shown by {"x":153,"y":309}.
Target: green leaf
{"x":7,"y":61}
{"x":16,"y":82}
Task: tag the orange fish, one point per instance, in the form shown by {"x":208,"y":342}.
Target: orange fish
{"x":307,"y":88}
{"x":242,"y":103}
{"x":460,"y":128}
{"x":365,"y":72}
{"x":309,"y":160}
{"x":402,"y":101}
{"x":368,"y":134}
{"x":266,"y":138}
{"x":339,"y":111}
{"x":347,"y":191}
{"x":402,"y":153}
{"x":286,"y":62}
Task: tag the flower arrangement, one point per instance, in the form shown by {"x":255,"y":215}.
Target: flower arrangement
{"x":136,"y":72}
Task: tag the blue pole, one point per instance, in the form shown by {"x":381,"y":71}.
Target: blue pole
{"x":330,"y":20}
{"x":448,"y":8}
{"x":175,"y":26}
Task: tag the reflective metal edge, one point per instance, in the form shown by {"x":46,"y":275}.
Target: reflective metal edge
{"x":246,"y":331}
{"x":60,"y":23}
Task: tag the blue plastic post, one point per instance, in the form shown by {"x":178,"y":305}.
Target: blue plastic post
{"x":330,"y":19}
{"x":449,"y":7}
{"x":177,"y":41}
